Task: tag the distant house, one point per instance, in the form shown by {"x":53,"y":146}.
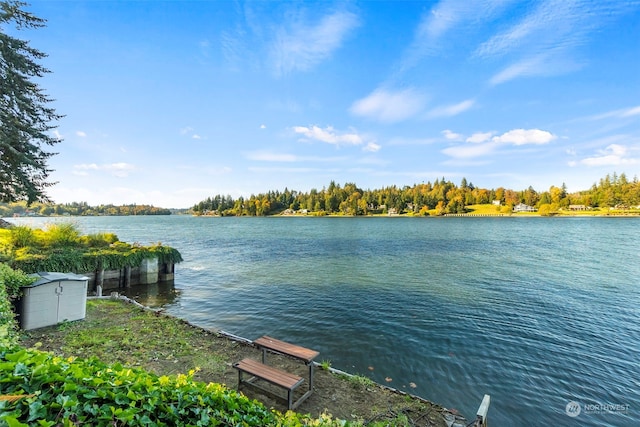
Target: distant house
{"x":577,"y":208}
{"x":496,"y":202}
{"x":521,"y":207}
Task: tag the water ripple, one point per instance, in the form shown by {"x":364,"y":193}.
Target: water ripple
{"x":536,"y":312}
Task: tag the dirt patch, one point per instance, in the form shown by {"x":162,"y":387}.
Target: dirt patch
{"x":119,"y":332}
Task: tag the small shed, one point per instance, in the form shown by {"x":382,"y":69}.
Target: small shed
{"x":53,"y":298}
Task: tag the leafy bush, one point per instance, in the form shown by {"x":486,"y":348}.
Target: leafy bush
{"x":67,"y":260}
{"x":75,"y":392}
{"x":63,"y":235}
{"x":62,"y":248}
{"x":166,"y":254}
{"x":10,"y":283}
{"x":21,"y":236}
{"x":12,"y":280}
{"x":98,"y":240}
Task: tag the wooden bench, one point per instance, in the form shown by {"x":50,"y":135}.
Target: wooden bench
{"x":275,"y":376}
{"x":270,"y":374}
{"x":267,"y":343}
{"x":282,"y":347}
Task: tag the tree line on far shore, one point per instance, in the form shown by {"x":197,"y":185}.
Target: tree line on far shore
{"x":438,"y":198}
{"x":77,"y":209}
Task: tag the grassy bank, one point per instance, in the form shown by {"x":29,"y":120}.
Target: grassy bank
{"x":119,"y":333}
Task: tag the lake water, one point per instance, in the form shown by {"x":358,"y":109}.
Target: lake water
{"x":537,"y":312}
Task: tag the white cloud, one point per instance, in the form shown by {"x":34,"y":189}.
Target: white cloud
{"x":525,"y":136}
{"x":631,"y":112}
{"x":57,"y":135}
{"x":188,"y":130}
{"x":263,"y":126}
{"x":269,"y":156}
{"x":526,"y":67}
{"x":622,"y":113}
{"x":443,"y":18}
{"x":479,"y":137}
{"x":451,"y":110}
{"x":440,"y":19}
{"x":542,"y":42}
{"x":537,"y":26}
{"x":482,"y":143}
{"x":328,"y":135}
{"x":470,"y":150}
{"x":613,"y":155}
{"x":300,"y":46}
{"x":81,"y":134}
{"x":413,"y":141}
{"x":388,"y":106}
{"x":544,"y":64}
{"x":120,"y":170}
{"x":450,"y":135}
{"x":371,"y":147}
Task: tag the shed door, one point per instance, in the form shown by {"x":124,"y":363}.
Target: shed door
{"x":71,"y":300}
{"x":40,"y":307}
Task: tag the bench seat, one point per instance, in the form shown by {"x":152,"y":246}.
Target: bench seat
{"x":270,"y":374}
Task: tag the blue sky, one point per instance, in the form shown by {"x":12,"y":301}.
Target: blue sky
{"x":168,"y":102}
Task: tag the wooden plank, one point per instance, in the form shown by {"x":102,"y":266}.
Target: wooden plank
{"x":270,"y":374}
{"x":286,"y":348}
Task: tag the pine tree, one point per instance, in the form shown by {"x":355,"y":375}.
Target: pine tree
{"x":25,"y":115}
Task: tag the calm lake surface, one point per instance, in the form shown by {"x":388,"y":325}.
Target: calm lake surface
{"x":537,"y":312}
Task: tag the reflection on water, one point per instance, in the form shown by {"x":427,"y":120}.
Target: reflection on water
{"x":153,"y":295}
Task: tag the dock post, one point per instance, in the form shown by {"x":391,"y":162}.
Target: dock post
{"x":127,"y":276}
{"x":99,"y":281}
{"x":481,"y":415}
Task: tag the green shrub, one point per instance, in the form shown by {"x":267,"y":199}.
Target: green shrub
{"x":69,"y":392}
{"x":62,"y":248}
{"x":63,"y":235}
{"x":165,"y":254}
{"x":21,"y":236}
{"x":98,"y":240}
{"x":12,"y":280}
{"x":89,"y":392}
{"x":10,"y":283}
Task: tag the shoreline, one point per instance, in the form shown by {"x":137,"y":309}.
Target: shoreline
{"x":168,"y":345}
{"x":459,"y":421}
{"x":467,"y":215}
